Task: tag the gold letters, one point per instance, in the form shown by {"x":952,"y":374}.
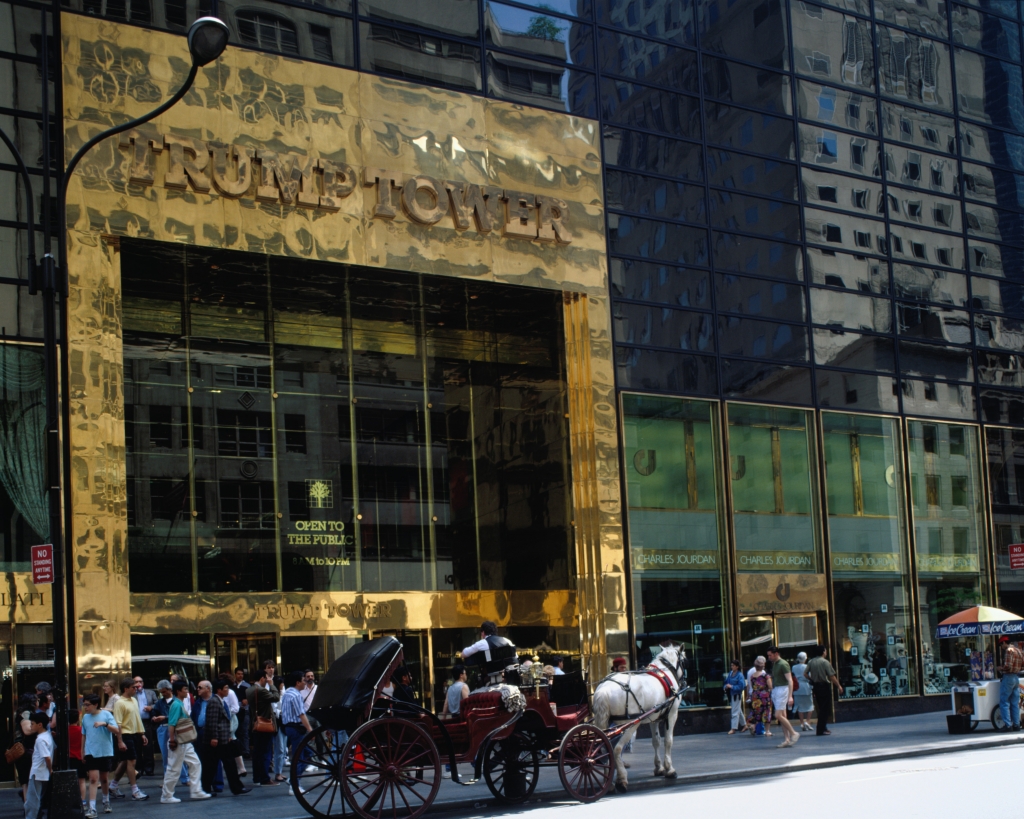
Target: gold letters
{"x":289,"y":179}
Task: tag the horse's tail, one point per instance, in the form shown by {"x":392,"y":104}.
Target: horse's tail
{"x":602,"y":707}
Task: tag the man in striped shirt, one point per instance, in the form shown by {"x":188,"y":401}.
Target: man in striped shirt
{"x":293,"y":715}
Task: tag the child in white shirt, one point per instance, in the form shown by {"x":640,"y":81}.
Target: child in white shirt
{"x":42,"y":764}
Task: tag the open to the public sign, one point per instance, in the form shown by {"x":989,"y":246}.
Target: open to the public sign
{"x":1016,"y":556}
{"x":42,"y":564}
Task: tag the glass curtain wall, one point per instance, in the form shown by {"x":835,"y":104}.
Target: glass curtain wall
{"x":1006,"y":485}
{"x":950,"y":542}
{"x":676,"y":533}
{"x":867,"y":528}
{"x":772,"y":456}
{"x":311,"y":427}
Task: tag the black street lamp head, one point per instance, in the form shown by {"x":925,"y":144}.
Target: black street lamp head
{"x":207,"y":39}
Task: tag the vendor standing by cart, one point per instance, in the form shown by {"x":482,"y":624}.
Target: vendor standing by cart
{"x":1009,"y":684}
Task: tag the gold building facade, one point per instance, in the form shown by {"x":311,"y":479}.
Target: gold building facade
{"x":280,"y":162}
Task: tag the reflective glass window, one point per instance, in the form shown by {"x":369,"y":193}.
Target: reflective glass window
{"x":750,"y":131}
{"x":918,"y":207}
{"x":914,"y":245}
{"x":868,"y":550}
{"x":854,"y":272}
{"x":662,"y":371}
{"x":858,"y":391}
{"x":933,"y":323}
{"x":1007,"y":8}
{"x":296,"y":31}
{"x":949,"y":535}
{"x":772,"y":466}
{"x":655,"y":197}
{"x":747,"y":379}
{"x":832,"y":47}
{"x":986,"y":32}
{"x":851,"y":310}
{"x":458,"y":17}
{"x":646,"y":60}
{"x":745,"y":85}
{"x":989,"y":90}
{"x":632,"y":236}
{"x":1000,"y":332}
{"x":419,"y":57}
{"x":837,"y":347}
{"x":992,"y":146}
{"x":911,"y":167}
{"x":545,"y":85}
{"x":994,"y":186}
{"x":576,"y":8}
{"x":841,"y":192}
{"x":755,"y":32}
{"x":921,"y":17}
{"x":676,"y":526}
{"x":762,"y":339}
{"x":914,"y":68}
{"x":997,"y":296}
{"x":994,"y":260}
{"x":752,"y":174}
{"x":1001,"y":370}
{"x":631,"y":104}
{"x":844,"y":231}
{"x":759,"y":297}
{"x":733,"y":211}
{"x":925,"y":284}
{"x":537,"y":34}
{"x":912,"y":126}
{"x":760,"y":257}
{"x":992,"y":223}
{"x":664,"y":20}
{"x":936,"y":361}
{"x":838,"y":151}
{"x":1001,"y":406}
{"x":638,"y":151}
{"x":836,"y":107}
{"x":643,"y":281}
{"x":663,"y":327}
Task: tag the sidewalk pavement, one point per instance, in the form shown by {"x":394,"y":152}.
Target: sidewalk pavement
{"x":698,"y":758}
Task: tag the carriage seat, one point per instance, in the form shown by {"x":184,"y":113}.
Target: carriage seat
{"x":480,"y":700}
{"x":571,"y":715}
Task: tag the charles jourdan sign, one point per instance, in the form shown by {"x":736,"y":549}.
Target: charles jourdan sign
{"x":317,"y":183}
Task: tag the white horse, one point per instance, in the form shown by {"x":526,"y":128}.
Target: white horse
{"x":628,"y":695}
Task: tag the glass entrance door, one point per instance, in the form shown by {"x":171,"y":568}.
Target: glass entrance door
{"x":792,"y":633}
{"x":246,"y":650}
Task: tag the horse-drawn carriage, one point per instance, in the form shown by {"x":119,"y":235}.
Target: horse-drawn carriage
{"x":383,"y":757}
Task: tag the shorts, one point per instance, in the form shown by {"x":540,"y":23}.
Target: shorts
{"x":133,"y":748}
{"x":780,"y":699}
{"x":78,"y":766}
{"x":98,"y":763}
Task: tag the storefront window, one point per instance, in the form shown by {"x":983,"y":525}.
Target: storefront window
{"x":675,"y":533}
{"x":24,"y":511}
{"x":949,"y":532}
{"x":1006,"y":482}
{"x":314,"y":427}
{"x":775,"y":506}
{"x":868,"y":553}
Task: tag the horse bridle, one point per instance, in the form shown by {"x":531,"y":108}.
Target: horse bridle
{"x":676,"y":669}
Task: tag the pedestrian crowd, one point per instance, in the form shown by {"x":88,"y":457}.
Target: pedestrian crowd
{"x":204,"y":733}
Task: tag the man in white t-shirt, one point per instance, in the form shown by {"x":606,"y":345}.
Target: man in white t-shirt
{"x":42,"y":764}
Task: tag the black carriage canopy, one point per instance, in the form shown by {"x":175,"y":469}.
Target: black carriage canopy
{"x":352,"y":680}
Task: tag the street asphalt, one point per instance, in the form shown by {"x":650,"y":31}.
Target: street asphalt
{"x":700,"y":760}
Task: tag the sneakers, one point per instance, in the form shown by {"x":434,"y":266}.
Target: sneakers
{"x":115,"y":791}
{"x":107,"y":808}
{"x":139,"y":796}
{"x":169,"y":800}
{"x":90,"y":813}
{"x":200,"y":795}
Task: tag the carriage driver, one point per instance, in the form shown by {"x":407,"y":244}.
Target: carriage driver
{"x":491,"y":653}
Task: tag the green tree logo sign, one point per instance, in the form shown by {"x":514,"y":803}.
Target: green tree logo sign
{"x":320,"y":493}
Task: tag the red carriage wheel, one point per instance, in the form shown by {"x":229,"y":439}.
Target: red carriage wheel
{"x":511,"y":768}
{"x":392,"y":769}
{"x":586,"y":764}
{"x":317,"y":774}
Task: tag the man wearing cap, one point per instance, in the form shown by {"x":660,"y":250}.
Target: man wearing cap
{"x":1009,"y":684}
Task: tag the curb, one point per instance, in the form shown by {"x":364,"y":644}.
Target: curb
{"x":461,"y":806}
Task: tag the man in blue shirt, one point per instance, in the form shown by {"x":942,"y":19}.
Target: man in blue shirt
{"x":98,"y":731}
{"x":293,"y":715}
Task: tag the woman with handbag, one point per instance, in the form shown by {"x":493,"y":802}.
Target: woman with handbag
{"x":20,"y":753}
{"x":181,"y":734}
{"x":261,"y":697}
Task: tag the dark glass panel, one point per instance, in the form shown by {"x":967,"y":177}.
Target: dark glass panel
{"x":935,"y":361}
{"x":915,"y":69}
{"x":852,"y":272}
{"x":840,"y":192}
{"x":922,"y":17}
{"x":419,"y":57}
{"x":660,"y":371}
{"x":752,"y":174}
{"x":990,"y":145}
{"x":1002,"y":407}
{"x":917,"y":207}
{"x":856,"y":351}
{"x":999,"y":332}
{"x":750,"y":131}
{"x":544,"y":85}
{"x":645,"y":60}
{"x":858,"y":391}
{"x":926,"y":284}
{"x":764,"y":380}
{"x":1008,"y":8}
{"x":994,"y":186}
{"x":663,"y":327}
{"x":760,"y":298}
{"x":762,"y":339}
{"x":836,"y":107}
{"x":989,"y":90}
{"x":1005,"y":449}
{"x":664,"y":19}
{"x":458,"y":17}
{"x":744,"y":85}
{"x":995,"y":260}
{"x":733,"y":211}
{"x":754,"y":31}
{"x":924,"y":129}
{"x":997,"y":296}
{"x":631,"y":104}
{"x":913,"y":245}
{"x":938,"y":399}
{"x":838,"y":151}
{"x":832,"y":47}
{"x":647,"y":239}
{"x":851,"y":310}
{"x":537,"y":34}
{"x":987,"y":33}
{"x":941,"y":324}
{"x":743,"y":254}
{"x":1000,"y":370}
{"x":654,"y":197}
{"x":678,"y":286}
{"x":637,"y":151}
{"x":844,"y":231}
{"x":992,"y":223}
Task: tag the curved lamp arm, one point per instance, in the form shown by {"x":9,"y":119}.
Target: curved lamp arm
{"x":30,"y":216}
{"x":117,"y":129}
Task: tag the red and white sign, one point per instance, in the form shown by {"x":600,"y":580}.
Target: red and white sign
{"x":42,"y":564}
{"x":1017,"y":556}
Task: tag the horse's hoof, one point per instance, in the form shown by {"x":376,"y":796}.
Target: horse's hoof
{"x":620,"y":788}
{"x":659,"y":773}
{"x":671,"y":775}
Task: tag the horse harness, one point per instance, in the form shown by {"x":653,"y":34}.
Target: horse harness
{"x":660,"y":674}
